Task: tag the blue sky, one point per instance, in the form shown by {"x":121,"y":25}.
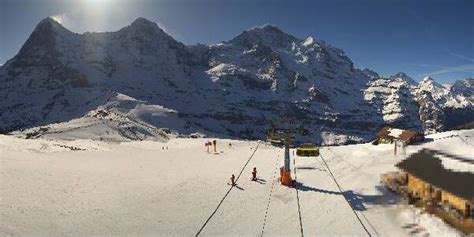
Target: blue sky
{"x":417,"y":37}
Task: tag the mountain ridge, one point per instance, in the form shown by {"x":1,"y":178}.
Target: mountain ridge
{"x":235,"y":88}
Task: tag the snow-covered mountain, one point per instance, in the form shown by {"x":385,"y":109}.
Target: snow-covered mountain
{"x":138,"y":79}
{"x":441,"y":107}
{"x":394,"y":99}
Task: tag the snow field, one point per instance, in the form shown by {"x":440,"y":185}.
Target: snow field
{"x":142,"y":188}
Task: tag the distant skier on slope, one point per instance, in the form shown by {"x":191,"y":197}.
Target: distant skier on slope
{"x":232,"y":180}
{"x":254,"y":174}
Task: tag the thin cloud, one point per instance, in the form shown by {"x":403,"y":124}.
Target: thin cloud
{"x":461,"y":56}
{"x":461,"y":68}
{"x":426,"y":65}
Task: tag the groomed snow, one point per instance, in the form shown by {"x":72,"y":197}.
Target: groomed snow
{"x":171,"y":189}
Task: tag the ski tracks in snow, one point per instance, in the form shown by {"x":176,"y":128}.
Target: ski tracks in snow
{"x":270,"y":197}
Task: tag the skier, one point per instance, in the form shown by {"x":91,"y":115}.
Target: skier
{"x":232,"y":180}
{"x":254,"y":174}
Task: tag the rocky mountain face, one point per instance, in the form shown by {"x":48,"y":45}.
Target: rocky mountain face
{"x":442,"y":108}
{"x":141,"y":82}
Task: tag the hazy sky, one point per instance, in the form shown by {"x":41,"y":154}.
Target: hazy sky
{"x":417,"y":37}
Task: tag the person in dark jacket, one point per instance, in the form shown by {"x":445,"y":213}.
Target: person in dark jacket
{"x":232,"y":180}
{"x":254,"y":174}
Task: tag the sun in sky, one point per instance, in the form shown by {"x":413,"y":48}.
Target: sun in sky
{"x":88,"y":12}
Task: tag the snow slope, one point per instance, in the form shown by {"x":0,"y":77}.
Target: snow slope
{"x":173,"y":188}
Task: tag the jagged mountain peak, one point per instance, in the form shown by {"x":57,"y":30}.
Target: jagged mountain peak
{"x":145,"y":33}
{"x":145,"y":27}
{"x":429,"y":83}
{"x":428,"y":78}
{"x":404,"y":77}
{"x":268,"y":34}
{"x":370,"y":73}
{"x":468,"y":82}
{"x":142,"y":22}
{"x":400,"y":75}
{"x":48,"y":26}
{"x":49,"y":21}
{"x":41,"y":44}
{"x":464,"y":87}
{"x":270,"y":28}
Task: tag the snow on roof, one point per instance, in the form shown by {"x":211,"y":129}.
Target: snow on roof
{"x":395,"y":132}
{"x":455,"y":165}
{"x":405,"y":135}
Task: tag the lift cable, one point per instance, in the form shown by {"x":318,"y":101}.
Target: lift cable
{"x":342,"y":192}
{"x":298,"y":199}
{"x":363,"y":215}
{"x":228,"y":191}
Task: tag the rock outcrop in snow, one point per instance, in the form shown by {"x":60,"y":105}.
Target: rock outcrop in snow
{"x":235,"y":88}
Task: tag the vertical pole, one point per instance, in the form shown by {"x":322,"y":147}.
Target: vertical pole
{"x":395,"y":147}
{"x":287,"y":156}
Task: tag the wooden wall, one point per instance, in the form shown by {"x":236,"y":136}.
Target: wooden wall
{"x":455,"y":201}
{"x":385,"y":140}
{"x":425,"y":191}
{"x":418,"y":187}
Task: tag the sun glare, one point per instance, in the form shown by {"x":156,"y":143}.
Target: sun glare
{"x":58,"y":18}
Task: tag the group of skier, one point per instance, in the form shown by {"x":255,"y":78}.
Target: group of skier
{"x":213,"y":144}
{"x":254,"y":177}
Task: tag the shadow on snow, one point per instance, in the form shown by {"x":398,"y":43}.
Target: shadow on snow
{"x":358,"y":201}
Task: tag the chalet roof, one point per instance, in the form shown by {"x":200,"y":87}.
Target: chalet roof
{"x":426,"y":166}
{"x":404,"y":135}
{"x":383,"y":132}
{"x":407,"y":135}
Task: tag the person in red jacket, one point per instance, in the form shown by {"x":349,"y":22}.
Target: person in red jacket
{"x":254,"y":174}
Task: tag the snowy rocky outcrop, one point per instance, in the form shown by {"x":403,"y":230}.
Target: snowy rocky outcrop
{"x":442,"y":108}
{"x":236,"y":88}
{"x":395,"y":101}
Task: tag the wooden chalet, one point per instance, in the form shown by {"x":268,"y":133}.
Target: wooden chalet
{"x":430,"y":181}
{"x":389,"y":135}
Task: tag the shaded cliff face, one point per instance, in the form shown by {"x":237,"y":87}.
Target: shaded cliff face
{"x":235,"y":88}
